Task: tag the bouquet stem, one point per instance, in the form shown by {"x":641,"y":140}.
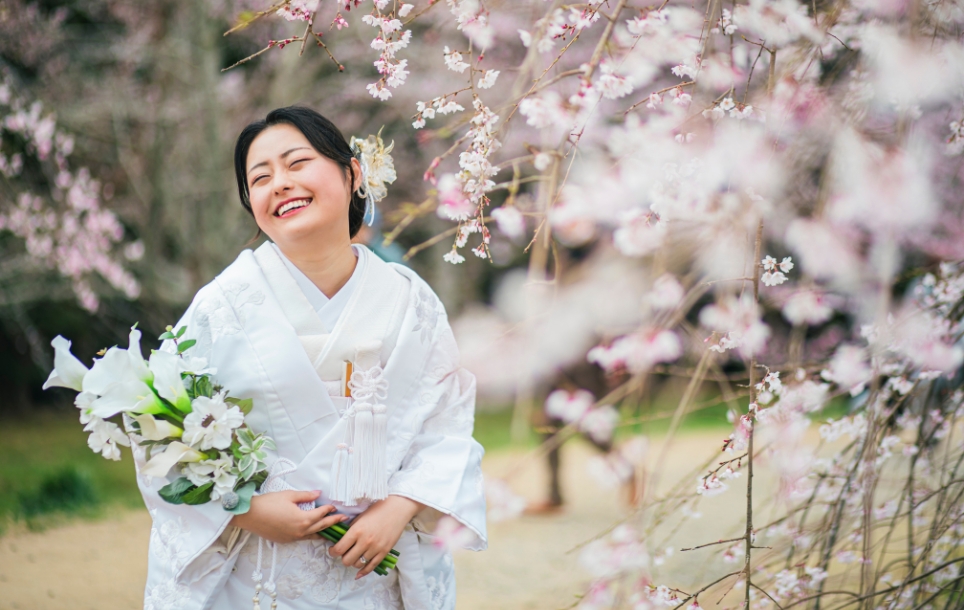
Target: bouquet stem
{"x":335,"y":532}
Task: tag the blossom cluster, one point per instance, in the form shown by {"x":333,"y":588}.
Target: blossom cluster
{"x":66,"y":230}
{"x":390,"y":39}
{"x":577,"y":408}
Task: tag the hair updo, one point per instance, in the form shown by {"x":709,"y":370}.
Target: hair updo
{"x":323,"y":136}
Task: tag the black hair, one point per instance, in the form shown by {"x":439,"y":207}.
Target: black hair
{"x":323,"y":136}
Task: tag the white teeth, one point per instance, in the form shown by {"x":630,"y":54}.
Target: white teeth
{"x":300,"y":203}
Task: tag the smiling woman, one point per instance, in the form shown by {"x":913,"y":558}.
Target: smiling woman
{"x":298,"y":178}
{"x":352,"y":368}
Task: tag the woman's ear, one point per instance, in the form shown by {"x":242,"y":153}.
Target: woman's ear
{"x":356,"y":169}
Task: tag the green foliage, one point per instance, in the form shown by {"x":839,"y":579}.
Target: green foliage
{"x":250,"y":452}
{"x":245,"y":404}
{"x":64,"y":490}
{"x":175,"y":491}
{"x":37,"y":447}
{"x":199,"y":495}
{"x":201,"y":386}
{"x":171,"y":334}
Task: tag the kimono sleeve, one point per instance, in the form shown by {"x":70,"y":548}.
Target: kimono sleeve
{"x":443,"y":467}
{"x":185,"y":540}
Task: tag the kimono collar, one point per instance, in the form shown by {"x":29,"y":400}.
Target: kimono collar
{"x":328,"y":309}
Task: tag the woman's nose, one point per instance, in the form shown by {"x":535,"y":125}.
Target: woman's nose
{"x":282,"y":183}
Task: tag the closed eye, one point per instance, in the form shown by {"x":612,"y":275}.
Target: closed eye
{"x":257,"y":178}
{"x":293,"y":163}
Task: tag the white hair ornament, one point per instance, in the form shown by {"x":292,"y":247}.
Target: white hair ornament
{"x":377,"y":169}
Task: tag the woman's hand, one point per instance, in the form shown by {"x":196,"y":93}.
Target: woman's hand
{"x":374,"y":532}
{"x":276,"y":517}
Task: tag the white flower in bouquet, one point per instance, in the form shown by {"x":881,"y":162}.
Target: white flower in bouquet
{"x":173,"y":407}
{"x":167,"y":380}
{"x":153,"y":429}
{"x":120,"y":381}
{"x":195,"y":365}
{"x":68,"y":371}
{"x":211,"y":423}
{"x":221,"y":471}
{"x":105,"y":437}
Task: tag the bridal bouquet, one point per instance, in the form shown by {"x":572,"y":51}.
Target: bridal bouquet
{"x":177,"y":412}
{"x":180,"y":415}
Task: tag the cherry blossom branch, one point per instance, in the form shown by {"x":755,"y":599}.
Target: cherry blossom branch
{"x":661,"y":91}
{"x":321,"y":44}
{"x":271,"y":45}
{"x":712,"y":584}
{"x":748,"y":534}
{"x":258,"y":15}
{"x":703,"y":546}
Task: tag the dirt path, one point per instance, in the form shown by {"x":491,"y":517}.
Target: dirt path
{"x":102,"y":565}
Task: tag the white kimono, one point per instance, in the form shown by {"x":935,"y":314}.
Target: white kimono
{"x":258,"y":330}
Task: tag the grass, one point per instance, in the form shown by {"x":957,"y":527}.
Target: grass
{"x":46,"y":468}
{"x":492,"y":425}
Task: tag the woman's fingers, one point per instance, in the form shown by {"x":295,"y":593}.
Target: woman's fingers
{"x":353,"y":554}
{"x":343,"y":545}
{"x":324,"y":523}
{"x":373,"y":561}
{"x":300,"y":497}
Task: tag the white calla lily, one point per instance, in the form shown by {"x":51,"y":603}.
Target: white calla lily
{"x":167,"y":380}
{"x":137,"y":359}
{"x":157,"y":429}
{"x":68,"y":371}
{"x":132,"y":395}
{"x":162,"y":463}
{"x":114,"y":367}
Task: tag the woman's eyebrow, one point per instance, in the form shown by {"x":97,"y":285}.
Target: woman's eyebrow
{"x":283,"y":155}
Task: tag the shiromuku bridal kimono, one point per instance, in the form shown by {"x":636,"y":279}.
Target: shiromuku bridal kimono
{"x":406,"y":431}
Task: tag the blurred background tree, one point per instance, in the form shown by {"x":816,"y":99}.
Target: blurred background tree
{"x":137,"y":90}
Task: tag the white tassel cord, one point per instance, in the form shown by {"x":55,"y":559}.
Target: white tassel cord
{"x":362,"y":471}
{"x":369,"y":478}
{"x":256,"y":576}
{"x":340,"y":473}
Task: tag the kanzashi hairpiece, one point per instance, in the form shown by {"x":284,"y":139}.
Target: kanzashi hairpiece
{"x":377,"y":169}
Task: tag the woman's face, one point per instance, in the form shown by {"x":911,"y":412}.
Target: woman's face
{"x":296,"y":192}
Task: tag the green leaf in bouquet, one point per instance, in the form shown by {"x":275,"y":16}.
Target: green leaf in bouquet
{"x":245,"y":404}
{"x":199,"y":495}
{"x":203,"y":386}
{"x":174,"y":492}
{"x":165,"y":336}
{"x":183,"y":346}
{"x":245,"y":492}
{"x":269,"y":443}
{"x":247,"y":465}
{"x":180,"y":332}
{"x":245,"y":435}
{"x":259,"y":477}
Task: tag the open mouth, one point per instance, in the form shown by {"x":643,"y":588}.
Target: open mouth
{"x":291,"y":207}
